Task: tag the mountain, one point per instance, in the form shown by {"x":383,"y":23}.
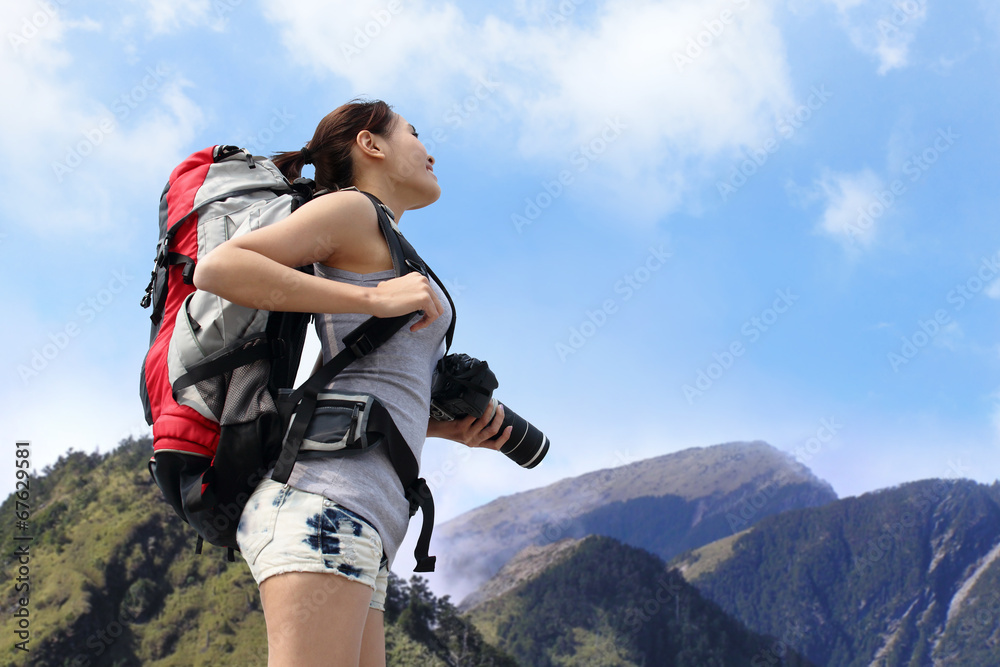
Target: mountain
{"x":112,"y":579}
{"x":599,"y":602}
{"x":524,"y":566}
{"x":904,"y":576}
{"x":665,"y":505}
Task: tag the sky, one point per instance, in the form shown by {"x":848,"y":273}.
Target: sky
{"x":665,"y":224}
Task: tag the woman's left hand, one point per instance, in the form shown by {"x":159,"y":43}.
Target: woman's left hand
{"x":472,"y":431}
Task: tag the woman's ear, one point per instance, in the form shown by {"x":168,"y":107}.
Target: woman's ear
{"x":370,"y":144}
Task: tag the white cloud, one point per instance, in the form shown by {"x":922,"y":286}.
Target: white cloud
{"x":168,"y":15}
{"x":993,"y":290}
{"x":844,"y":5}
{"x":853,"y":210}
{"x":84,"y":153}
{"x":950,"y":336}
{"x":687,"y":82}
{"x":884,"y":29}
{"x":991,"y":14}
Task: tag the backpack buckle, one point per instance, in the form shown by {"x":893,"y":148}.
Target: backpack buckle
{"x":161,"y":253}
{"x":417,"y":266}
{"x":352,"y":433}
{"x":362,"y":346}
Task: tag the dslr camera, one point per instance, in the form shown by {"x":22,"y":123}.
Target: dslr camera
{"x":464,"y":385}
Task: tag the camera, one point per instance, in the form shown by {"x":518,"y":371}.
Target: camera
{"x":464,"y":385}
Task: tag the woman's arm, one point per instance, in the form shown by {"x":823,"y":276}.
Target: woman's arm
{"x":257,"y":269}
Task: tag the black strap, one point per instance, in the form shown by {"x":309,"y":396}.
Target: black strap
{"x":223,"y":361}
{"x":417,"y":493}
{"x":297,"y":409}
{"x":412,"y":256}
{"x":290,"y":328}
{"x":187,"y":273}
{"x":408,"y":256}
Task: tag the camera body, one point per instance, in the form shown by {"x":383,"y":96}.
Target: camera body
{"x":464,"y":385}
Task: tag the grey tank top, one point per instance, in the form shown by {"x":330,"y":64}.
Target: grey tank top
{"x":399,"y":373}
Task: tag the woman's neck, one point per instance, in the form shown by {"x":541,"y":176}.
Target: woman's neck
{"x":386,"y":193}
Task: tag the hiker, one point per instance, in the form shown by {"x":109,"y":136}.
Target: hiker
{"x":321,"y":545}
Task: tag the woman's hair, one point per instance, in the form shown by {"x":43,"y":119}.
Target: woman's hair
{"x":330,"y":148}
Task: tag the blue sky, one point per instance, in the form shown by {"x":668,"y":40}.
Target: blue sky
{"x":665,"y":224}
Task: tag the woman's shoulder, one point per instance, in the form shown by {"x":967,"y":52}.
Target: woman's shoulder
{"x":347,"y":232}
{"x":348,"y":205}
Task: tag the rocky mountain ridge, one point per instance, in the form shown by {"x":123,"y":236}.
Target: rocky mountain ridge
{"x":666,"y":505}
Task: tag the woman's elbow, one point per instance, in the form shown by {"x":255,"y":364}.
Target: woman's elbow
{"x":206,"y":273}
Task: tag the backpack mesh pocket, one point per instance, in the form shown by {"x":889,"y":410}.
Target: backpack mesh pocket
{"x":240,"y":395}
{"x":248,"y":397}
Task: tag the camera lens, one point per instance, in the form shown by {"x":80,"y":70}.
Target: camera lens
{"x":527,"y":446}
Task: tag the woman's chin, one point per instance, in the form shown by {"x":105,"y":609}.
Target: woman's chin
{"x":431,"y":195}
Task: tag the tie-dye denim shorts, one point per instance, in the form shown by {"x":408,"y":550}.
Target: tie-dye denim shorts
{"x":284,"y":529}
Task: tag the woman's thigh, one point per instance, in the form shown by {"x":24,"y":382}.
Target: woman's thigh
{"x":320,"y":568}
{"x":314,"y":619}
{"x":373,"y":640}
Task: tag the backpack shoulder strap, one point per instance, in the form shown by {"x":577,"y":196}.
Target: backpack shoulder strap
{"x":404,"y":254}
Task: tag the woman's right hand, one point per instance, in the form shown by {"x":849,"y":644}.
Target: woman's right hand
{"x":406,"y":294}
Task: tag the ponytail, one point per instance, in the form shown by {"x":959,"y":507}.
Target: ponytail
{"x":289,"y":163}
{"x":330,"y":148}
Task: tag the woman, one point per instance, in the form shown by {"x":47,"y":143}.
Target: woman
{"x":320,"y":546}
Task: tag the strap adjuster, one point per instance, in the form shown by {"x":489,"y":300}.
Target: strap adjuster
{"x":362,"y":346}
{"x":417,"y":266}
{"x":161,"y":253}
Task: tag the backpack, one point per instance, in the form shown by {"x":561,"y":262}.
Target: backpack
{"x":216,"y":383}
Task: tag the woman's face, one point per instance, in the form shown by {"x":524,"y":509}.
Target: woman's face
{"x":409,"y":165}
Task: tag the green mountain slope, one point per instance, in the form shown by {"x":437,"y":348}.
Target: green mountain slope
{"x":904,"y":576}
{"x":114,"y":580}
{"x":600,"y":602}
